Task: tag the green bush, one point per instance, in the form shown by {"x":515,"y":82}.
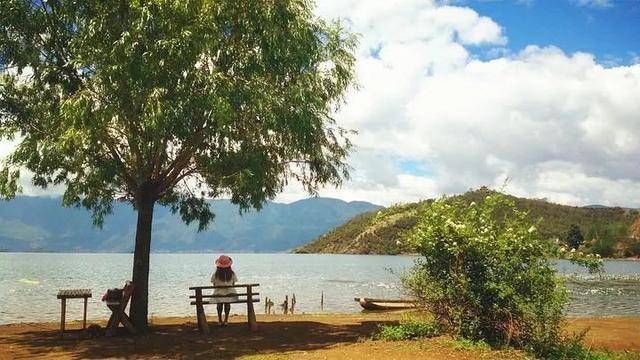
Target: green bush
{"x":604,"y":237}
{"x":574,"y":237}
{"x":408,"y":329}
{"x":603,"y":246}
{"x":486,"y":274}
{"x":633,"y":249}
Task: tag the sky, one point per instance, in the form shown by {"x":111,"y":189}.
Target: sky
{"x":539,"y":96}
{"x":543,"y":96}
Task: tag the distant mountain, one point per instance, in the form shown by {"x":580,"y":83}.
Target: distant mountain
{"x":42,"y":224}
{"x":610,"y":231}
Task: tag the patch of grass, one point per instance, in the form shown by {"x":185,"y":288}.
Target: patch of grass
{"x":408,"y":329}
{"x":609,"y":355}
{"x":466,"y":344}
{"x":573,"y":348}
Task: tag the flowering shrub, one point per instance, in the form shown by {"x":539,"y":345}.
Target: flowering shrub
{"x":486,"y":274}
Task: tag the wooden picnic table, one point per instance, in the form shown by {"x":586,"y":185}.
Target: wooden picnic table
{"x":65,"y":294}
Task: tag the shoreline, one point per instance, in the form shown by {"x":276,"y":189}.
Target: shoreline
{"x":306,"y":336}
{"x":364,"y":313}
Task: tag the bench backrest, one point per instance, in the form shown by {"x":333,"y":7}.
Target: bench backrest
{"x":127,"y":291}
{"x":249,"y":295}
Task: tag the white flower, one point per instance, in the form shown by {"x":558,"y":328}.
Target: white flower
{"x":598,"y":255}
{"x":531,"y":229}
{"x":573,"y":250}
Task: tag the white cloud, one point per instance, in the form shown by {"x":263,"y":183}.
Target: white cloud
{"x":6,"y":147}
{"x":558,"y":125}
{"x":594,"y":3}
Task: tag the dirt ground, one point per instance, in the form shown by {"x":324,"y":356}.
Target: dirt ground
{"x":278,"y":336}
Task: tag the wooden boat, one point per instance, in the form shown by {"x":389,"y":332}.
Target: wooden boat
{"x":385,"y":304}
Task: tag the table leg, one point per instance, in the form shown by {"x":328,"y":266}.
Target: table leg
{"x":84,"y":316}
{"x":62,"y":316}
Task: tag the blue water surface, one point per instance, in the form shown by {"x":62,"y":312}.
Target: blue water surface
{"x":29,"y":282}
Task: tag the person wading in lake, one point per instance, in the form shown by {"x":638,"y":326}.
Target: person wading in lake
{"x":224,"y":276}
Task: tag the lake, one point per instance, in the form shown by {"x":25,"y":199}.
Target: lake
{"x":30,"y":282}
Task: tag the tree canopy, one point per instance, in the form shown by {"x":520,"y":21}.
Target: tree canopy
{"x":171,"y":101}
{"x":109,"y":96}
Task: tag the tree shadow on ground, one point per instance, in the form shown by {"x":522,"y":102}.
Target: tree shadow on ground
{"x":184,"y":341}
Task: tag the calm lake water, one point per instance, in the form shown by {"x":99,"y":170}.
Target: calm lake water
{"x":29,"y":282}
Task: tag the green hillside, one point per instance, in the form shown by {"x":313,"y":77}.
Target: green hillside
{"x":606,"y":230}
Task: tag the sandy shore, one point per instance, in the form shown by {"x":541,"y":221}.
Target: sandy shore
{"x":279,"y":336}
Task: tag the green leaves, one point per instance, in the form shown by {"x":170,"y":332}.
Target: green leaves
{"x":9,"y":183}
{"x":185,"y":100}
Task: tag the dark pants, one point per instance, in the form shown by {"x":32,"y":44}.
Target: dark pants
{"x":227,"y":309}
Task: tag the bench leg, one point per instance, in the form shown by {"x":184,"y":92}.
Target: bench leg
{"x":63,"y":311}
{"x":112,"y":324}
{"x":112,"y":327}
{"x":126,"y":322}
{"x":203,"y":326}
{"x":251,"y":316}
{"x":198,"y":318}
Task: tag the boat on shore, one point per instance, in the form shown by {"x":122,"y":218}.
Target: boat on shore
{"x":385,"y":304}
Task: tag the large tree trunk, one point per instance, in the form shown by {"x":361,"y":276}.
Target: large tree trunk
{"x":140,"y":299}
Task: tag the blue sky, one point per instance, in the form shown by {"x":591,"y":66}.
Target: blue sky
{"x":610,"y":30}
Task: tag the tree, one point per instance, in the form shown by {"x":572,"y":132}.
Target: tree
{"x":574,"y":237}
{"x":171,"y":102}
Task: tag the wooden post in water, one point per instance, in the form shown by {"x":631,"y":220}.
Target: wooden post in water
{"x":322,"y":301}
{"x":285,"y":305}
{"x":266,"y":305}
{"x":293,"y":303}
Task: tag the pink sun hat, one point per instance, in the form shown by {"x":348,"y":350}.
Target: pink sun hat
{"x":224,"y":261}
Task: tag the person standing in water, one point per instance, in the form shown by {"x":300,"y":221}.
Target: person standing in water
{"x":224,"y":276}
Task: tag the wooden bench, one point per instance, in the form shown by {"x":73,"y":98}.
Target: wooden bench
{"x":246,"y":297}
{"x":118,"y":314}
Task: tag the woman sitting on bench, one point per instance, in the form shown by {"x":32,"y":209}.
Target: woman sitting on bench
{"x":224,"y":276}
